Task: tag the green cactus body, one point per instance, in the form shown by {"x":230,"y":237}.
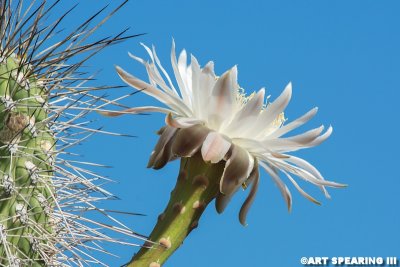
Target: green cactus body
{"x":48,"y":199}
{"x":26,"y":162}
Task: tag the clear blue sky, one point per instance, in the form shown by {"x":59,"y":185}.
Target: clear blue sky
{"x":342,"y":56}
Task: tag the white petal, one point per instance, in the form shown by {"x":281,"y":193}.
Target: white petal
{"x":302,"y":192}
{"x":157,"y":60}
{"x":137,"y":110}
{"x":222,"y":99}
{"x":154,"y":74}
{"x":156,"y":78}
{"x":173,"y":103}
{"x":251,"y":145}
{"x":282,"y":187}
{"x":305,"y":140}
{"x":148,"y":50}
{"x":306,"y":175}
{"x":214,"y":147}
{"x":317,"y":141}
{"x":294,"y":124}
{"x":246,"y":115}
{"x":306,"y":137}
{"x":206,"y":84}
{"x":209,"y":68}
{"x":141,"y":85}
{"x":181,"y":122}
{"x":179,"y":78}
{"x":272,"y":111}
{"x":183,"y":68}
{"x":148,"y":68}
{"x":138,"y":59}
{"x":310,"y":168}
{"x":195,"y":80}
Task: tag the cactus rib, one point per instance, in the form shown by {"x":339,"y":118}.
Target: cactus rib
{"x":44,"y":194}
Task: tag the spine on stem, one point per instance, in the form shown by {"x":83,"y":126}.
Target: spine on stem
{"x":26,"y":166}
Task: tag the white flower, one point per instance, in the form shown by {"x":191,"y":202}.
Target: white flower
{"x":211,"y":114}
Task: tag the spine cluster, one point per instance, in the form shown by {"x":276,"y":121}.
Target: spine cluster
{"x":49,"y":198}
{"x":26,"y":160}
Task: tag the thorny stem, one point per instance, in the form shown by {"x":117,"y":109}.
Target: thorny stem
{"x":197,"y":185}
{"x":45,"y":97}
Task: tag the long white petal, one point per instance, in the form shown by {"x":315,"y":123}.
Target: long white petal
{"x":145,"y":87}
{"x":196,"y":86}
{"x":302,"y":192}
{"x":282,"y":187}
{"x":268,"y":116}
{"x":175,"y":104}
{"x":152,"y":67}
{"x":308,"y":139}
{"x":137,"y":110}
{"x":158,"y":62}
{"x":251,"y":145}
{"x":207,"y":83}
{"x":179,"y":79}
{"x":183,"y":68}
{"x":155,"y":76}
{"x":306,"y":175}
{"x":246,"y":115}
{"x":215,"y":147}
{"x":310,"y":168}
{"x":317,"y":141}
{"x":138,"y":59}
{"x":222,"y":99}
{"x":148,"y":50}
{"x":294,"y":124}
{"x":181,"y":122}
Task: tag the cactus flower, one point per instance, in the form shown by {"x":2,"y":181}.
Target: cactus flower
{"x":222,"y":137}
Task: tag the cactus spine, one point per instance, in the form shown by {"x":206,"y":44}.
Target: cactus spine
{"x":44,"y":197}
{"x":25,"y":168}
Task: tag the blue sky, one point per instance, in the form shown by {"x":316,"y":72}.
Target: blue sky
{"x":342,"y":56}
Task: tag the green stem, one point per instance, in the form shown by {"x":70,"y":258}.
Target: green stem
{"x":197,"y":185}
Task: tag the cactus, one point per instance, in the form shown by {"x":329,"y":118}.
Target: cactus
{"x":43,"y":102}
{"x":26,"y":165}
